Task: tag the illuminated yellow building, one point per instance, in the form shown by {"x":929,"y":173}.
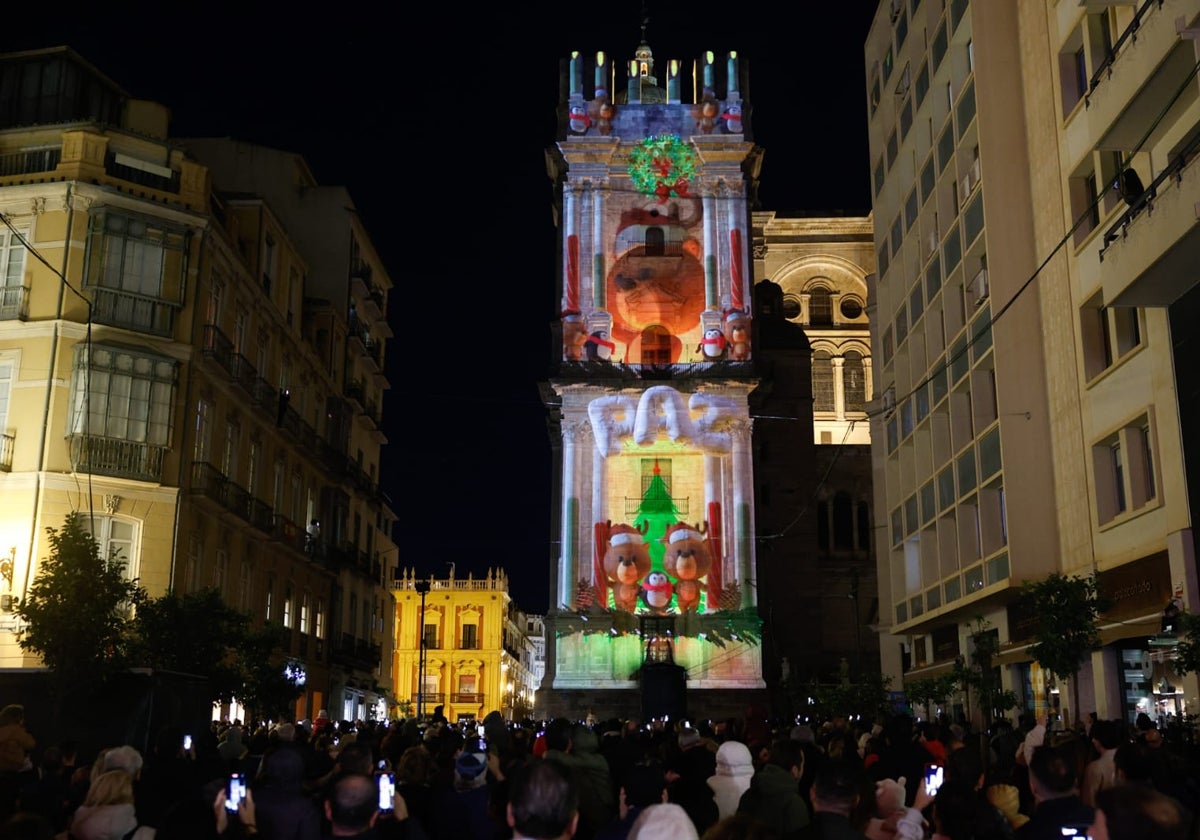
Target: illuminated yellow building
{"x":473,"y":647}
{"x":175,"y":367}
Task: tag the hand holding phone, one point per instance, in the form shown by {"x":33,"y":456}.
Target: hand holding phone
{"x":187,"y":742}
{"x":387,"y":791}
{"x":934,"y":773}
{"x":235,"y":790}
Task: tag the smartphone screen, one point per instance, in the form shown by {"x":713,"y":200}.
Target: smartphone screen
{"x":187,"y":742}
{"x":387,"y":791}
{"x":933,"y":778}
{"x":235,"y":791}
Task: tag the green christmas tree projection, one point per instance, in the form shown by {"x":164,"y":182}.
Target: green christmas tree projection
{"x":658,"y":512}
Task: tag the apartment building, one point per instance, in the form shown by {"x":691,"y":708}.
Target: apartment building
{"x":329,"y":399}
{"x":167,"y":371}
{"x":1031,"y":325}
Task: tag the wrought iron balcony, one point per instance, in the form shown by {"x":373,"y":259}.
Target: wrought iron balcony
{"x":30,"y":162}
{"x":118,"y":308}
{"x":244,"y":374}
{"x":119,"y":458}
{"x":8,"y":440}
{"x":14,"y":303}
{"x":219,"y":348}
{"x":357,"y":653}
{"x":134,"y":175}
{"x":287,"y":532}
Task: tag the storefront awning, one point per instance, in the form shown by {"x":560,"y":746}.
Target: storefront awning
{"x":927,"y":671}
{"x":1137,"y":630}
{"x":1013,"y":656}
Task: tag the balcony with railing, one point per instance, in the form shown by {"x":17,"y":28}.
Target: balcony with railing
{"x":244,"y":374}
{"x":118,"y":458}
{"x":29,"y":162}
{"x":211,"y":483}
{"x":295,"y":426}
{"x":118,"y":308}
{"x":1148,"y":254}
{"x":356,"y":652}
{"x":8,"y":441}
{"x":128,"y":169}
{"x":462,"y":697}
{"x":14,"y":303}
{"x":1145,"y":67}
{"x":286,"y":531}
{"x":265,"y":397}
{"x":218,"y":348}
{"x":363,"y":343}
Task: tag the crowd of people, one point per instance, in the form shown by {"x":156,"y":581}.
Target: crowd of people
{"x":736,"y":779}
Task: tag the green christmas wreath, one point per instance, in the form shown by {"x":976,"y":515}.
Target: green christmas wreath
{"x":662,"y":165}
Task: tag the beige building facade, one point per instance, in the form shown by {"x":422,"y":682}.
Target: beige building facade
{"x":171,"y":368}
{"x":1031,"y":419}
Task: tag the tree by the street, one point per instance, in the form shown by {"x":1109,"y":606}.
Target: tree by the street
{"x":1187,"y":652}
{"x":196,"y":633}
{"x":269,"y":688}
{"x":1066,"y":609}
{"x":75,"y":615}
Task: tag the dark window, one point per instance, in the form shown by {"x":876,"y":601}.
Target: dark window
{"x":822,"y":380}
{"x":820,"y":308}
{"x":854,"y":381}
{"x":656,"y":346}
{"x":843,"y":522}
{"x":655,"y":242}
{"x":469,"y":640}
{"x":431,"y":639}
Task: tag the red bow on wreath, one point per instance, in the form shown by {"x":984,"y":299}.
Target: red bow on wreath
{"x":664,"y":190}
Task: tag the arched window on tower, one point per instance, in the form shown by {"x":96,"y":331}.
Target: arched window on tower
{"x":822,"y":381}
{"x":655,"y":242}
{"x":820,"y":307}
{"x":854,"y":381}
{"x":656,"y":346}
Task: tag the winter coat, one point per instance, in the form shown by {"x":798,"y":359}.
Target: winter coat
{"x":774,"y":799}
{"x":283,"y":810}
{"x":107,"y":822}
{"x":15,"y":744}
{"x":735,"y":767}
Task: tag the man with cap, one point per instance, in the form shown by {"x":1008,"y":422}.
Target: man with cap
{"x":688,"y":772}
{"x":463,"y":808}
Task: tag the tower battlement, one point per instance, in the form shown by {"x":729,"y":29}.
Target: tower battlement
{"x":600,"y":96}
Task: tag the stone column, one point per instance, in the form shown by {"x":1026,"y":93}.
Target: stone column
{"x":839,"y":388}
{"x":742,"y":516}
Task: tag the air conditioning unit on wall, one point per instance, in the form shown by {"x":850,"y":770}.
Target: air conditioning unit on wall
{"x":889,"y":402}
{"x":978,"y":288}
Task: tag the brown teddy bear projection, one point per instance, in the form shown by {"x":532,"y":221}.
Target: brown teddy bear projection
{"x":737,"y":335}
{"x":574,"y":336}
{"x":626,"y":562}
{"x":687,"y":559}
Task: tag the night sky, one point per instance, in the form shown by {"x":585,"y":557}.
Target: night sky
{"x":439,"y":129}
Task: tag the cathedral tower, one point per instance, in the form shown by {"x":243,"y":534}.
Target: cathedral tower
{"x":654,"y":560}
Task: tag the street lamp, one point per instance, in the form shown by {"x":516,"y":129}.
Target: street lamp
{"x":422,"y":587}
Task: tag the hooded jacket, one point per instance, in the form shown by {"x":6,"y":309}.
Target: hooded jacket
{"x":735,"y":766}
{"x":774,"y":798}
{"x":284,"y":811}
